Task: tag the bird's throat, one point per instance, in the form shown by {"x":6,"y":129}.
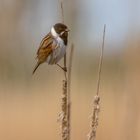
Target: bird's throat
{"x":54,"y":33}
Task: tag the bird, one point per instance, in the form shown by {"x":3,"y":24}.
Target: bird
{"x":53,"y":46}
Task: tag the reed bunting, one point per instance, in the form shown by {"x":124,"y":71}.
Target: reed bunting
{"x":53,"y":46}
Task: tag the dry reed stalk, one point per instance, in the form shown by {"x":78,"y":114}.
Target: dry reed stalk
{"x":69,"y":90}
{"x":64,"y":114}
{"x":96,"y":107}
{"x":66,"y":103}
{"x":64,"y":119}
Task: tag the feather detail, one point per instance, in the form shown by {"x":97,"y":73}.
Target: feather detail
{"x":53,"y":46}
{"x":37,"y":65}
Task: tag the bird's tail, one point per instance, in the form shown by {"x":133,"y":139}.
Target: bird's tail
{"x":37,"y":65}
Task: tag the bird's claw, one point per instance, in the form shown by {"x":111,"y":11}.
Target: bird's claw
{"x":65,"y":69}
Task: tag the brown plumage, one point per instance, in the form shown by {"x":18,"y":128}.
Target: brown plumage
{"x":44,"y":50}
{"x":53,"y":45}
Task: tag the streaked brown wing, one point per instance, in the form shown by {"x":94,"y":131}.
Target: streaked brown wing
{"x":46,"y":47}
{"x":45,"y":42}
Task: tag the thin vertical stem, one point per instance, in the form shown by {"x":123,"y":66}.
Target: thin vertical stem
{"x":65,"y":56}
{"x":66,"y":103}
{"x":64,"y":112}
{"x":62,"y":11}
{"x":100,"y":63}
{"x":65,"y":66}
{"x":69,"y":89}
{"x":96,"y":105}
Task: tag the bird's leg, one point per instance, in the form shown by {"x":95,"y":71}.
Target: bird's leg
{"x":63,"y":68}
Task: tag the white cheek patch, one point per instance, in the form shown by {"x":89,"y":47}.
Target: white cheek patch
{"x":53,"y":32}
{"x":57,"y":38}
{"x":62,"y":33}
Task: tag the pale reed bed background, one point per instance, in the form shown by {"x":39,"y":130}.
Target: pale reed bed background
{"x":29,"y":106}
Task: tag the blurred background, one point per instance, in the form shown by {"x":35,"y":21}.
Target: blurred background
{"x":30,"y":105}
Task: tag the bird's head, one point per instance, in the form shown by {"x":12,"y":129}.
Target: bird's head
{"x":59,"y":30}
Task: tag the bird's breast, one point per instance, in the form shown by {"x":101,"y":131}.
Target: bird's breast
{"x":58,"y":52}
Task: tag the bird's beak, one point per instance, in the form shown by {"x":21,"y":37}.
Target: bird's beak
{"x":67,"y":30}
